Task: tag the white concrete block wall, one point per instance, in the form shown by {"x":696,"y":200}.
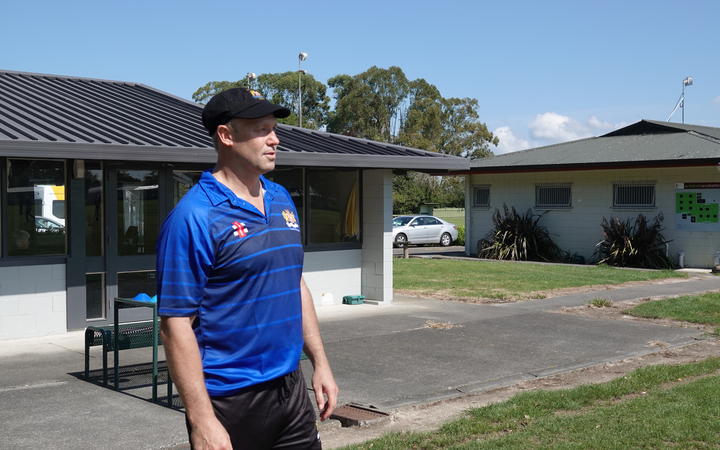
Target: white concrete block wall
{"x":365,"y":272}
{"x":377,"y":276}
{"x":578,"y":229}
{"x":32,"y":301}
{"x":336,"y":273}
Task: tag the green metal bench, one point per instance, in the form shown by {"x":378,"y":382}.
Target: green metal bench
{"x":131,"y":335}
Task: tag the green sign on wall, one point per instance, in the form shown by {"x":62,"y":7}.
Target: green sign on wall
{"x":694,"y":207}
{"x":697,"y":206}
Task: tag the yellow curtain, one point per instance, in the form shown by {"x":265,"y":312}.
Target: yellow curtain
{"x":352,"y":214}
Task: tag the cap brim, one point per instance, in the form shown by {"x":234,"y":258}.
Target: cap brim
{"x":263,"y":109}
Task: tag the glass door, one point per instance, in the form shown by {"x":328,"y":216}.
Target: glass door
{"x":124,"y":206}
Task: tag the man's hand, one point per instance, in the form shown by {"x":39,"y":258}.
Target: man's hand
{"x":210,"y":435}
{"x":326,"y":391}
{"x":183,"y":356}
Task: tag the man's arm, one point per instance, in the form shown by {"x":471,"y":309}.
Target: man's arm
{"x":323,"y":382}
{"x":183,"y":356}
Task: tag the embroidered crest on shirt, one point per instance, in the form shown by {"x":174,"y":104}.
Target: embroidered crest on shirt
{"x":290,"y":220}
{"x":240,"y":230}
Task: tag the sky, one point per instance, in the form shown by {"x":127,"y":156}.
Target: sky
{"x":542,"y":72}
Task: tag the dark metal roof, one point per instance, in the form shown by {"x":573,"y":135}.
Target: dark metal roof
{"x":643,"y":144}
{"x":58,"y":116}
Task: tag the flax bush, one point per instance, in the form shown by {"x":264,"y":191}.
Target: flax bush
{"x":633,"y":243}
{"x":518,"y":237}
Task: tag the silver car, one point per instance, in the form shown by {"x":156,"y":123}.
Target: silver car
{"x":423,"y":230}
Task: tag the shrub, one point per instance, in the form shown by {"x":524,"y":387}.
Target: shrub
{"x":628,"y":243}
{"x":518,"y":237}
{"x":461,"y":235}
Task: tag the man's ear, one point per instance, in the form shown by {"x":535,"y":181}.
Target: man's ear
{"x":224,"y":135}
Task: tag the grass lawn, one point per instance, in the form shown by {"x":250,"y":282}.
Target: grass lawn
{"x":506,"y":280}
{"x":652,"y":407}
{"x":704,"y":309}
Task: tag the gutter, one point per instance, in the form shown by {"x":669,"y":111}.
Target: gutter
{"x":591,"y":166}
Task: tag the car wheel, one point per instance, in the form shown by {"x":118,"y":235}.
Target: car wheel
{"x":400,"y":240}
{"x":445,"y":239}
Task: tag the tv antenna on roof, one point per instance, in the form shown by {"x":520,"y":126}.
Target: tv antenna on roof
{"x":688,"y":81}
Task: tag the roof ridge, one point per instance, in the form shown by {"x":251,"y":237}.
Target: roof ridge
{"x":69,"y":77}
{"x":707,"y":137}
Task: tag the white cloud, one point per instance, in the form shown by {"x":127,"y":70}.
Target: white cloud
{"x":594,"y":122}
{"x":508,"y":141}
{"x":553,"y":127}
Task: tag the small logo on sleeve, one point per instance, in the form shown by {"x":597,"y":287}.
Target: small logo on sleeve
{"x":290,"y":220}
{"x":240,"y":230}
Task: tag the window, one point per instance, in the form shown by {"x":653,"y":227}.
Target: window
{"x":553,"y":196}
{"x":94,"y":221}
{"x":183,"y":180}
{"x":138,"y":216}
{"x":401,"y":221}
{"x":481,"y":196}
{"x":95,"y":296}
{"x":333,"y":205}
{"x":638,"y":195}
{"x":36,"y":207}
{"x":131,"y":284}
{"x":429,"y":221}
{"x":292,"y":180}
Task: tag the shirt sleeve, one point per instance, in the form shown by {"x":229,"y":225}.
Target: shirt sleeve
{"x":185,"y":255}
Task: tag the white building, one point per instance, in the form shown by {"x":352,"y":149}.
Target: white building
{"x":647,"y":168}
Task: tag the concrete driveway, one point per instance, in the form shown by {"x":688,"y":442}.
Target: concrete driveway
{"x":395,"y":356}
{"x":382,"y":356}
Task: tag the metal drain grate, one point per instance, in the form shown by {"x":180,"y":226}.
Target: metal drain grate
{"x":357,"y":415}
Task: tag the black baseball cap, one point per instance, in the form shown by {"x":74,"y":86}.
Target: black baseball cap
{"x":238,"y":102}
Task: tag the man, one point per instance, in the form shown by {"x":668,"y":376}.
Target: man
{"x":235,"y":310}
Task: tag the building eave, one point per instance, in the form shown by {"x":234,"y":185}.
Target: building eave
{"x":592,"y":166}
{"x":147,"y":153}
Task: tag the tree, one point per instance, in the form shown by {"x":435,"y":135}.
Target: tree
{"x":412,"y":190}
{"x":463,"y":133}
{"x":382,"y":104}
{"x":282,"y":89}
{"x":368,"y":105}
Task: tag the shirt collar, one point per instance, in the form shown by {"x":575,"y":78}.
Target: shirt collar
{"x":218,"y":192}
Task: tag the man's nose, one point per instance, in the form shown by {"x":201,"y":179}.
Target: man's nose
{"x":273,"y":139}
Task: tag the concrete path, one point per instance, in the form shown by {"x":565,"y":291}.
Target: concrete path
{"x":382,"y":356}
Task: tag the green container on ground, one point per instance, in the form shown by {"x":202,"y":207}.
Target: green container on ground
{"x":353,"y":299}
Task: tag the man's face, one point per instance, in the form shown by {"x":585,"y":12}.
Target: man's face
{"x":255,"y":143}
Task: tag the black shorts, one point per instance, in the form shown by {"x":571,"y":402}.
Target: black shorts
{"x":274,"y":414}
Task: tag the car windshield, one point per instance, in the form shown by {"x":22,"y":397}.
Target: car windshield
{"x":401,"y":221}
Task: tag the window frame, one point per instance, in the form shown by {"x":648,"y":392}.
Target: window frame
{"x":476,"y":188}
{"x":540,"y":186}
{"x":627,"y":184}
{"x":48,"y":259}
{"x":307,"y":226}
{"x":7,"y":260}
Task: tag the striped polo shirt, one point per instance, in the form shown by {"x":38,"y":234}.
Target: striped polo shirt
{"x":238,"y":271}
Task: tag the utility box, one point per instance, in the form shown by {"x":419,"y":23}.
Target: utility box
{"x":353,"y":300}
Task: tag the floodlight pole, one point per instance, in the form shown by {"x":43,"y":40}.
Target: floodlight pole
{"x":301,"y":57}
{"x":688,"y":81}
{"x":250,"y":77}
{"x":682,"y":105}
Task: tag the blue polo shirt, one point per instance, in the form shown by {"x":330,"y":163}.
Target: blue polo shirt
{"x":238,"y":271}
